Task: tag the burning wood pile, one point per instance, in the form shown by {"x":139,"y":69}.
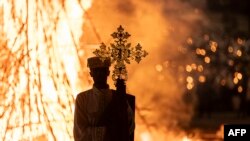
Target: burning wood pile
{"x":39,"y":58}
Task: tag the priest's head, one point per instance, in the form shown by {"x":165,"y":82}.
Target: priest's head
{"x":99,"y":71}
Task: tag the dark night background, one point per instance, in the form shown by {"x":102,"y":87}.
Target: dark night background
{"x":219,"y":100}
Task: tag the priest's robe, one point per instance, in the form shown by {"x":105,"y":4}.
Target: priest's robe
{"x":96,"y":114}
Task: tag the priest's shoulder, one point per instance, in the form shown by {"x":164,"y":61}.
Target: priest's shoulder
{"x":84,"y":93}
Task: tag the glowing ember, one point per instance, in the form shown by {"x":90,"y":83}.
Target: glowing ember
{"x":207,"y":59}
{"x":188,"y":68}
{"x":202,"y":79}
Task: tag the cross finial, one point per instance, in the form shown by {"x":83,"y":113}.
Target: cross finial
{"x":120,"y":53}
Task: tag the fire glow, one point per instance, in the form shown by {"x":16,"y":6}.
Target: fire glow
{"x":40,"y":67}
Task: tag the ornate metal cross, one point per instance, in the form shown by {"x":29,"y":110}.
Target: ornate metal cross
{"x":120,"y":53}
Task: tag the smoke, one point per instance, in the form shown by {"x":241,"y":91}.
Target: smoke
{"x":161,"y":27}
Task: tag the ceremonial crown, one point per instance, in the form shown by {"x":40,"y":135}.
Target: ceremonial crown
{"x":97,"y":62}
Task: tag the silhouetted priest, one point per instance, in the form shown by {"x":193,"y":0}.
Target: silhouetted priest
{"x":102,"y":114}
